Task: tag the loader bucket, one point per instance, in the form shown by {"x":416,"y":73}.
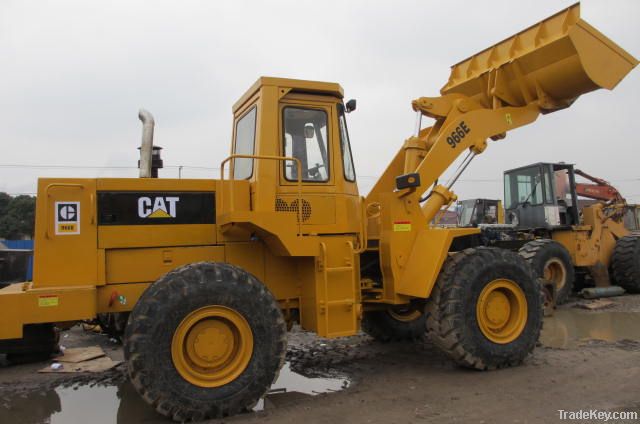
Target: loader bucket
{"x":552,"y":63}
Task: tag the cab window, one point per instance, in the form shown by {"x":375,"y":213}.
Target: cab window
{"x":245,"y":142}
{"x":523,"y":186}
{"x":305,"y":138}
{"x":345,"y":145}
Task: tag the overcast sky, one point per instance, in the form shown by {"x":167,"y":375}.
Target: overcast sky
{"x":74,"y":74}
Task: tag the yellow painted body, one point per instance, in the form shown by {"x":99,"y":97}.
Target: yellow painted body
{"x":500,"y":212}
{"x":309,"y":257}
{"x":591,"y":244}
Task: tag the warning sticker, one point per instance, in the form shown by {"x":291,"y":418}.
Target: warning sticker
{"x":67,"y":218}
{"x":402,"y":226}
{"x":48,"y":300}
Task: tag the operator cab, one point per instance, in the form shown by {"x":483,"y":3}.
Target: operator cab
{"x":541,"y":195}
{"x":473,"y":212}
{"x":292,"y":160}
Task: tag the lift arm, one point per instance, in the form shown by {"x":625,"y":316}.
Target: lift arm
{"x":540,"y":70}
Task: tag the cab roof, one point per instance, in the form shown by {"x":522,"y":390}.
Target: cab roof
{"x":315,"y":87}
{"x":538,"y":164}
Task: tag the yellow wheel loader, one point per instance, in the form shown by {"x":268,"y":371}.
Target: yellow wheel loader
{"x":211,"y":272}
{"x":563,"y":243}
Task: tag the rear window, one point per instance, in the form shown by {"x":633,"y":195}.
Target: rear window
{"x":245,"y":144}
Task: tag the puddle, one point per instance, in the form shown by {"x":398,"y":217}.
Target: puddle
{"x":567,"y":327}
{"x":290,"y":385}
{"x":122,"y":404}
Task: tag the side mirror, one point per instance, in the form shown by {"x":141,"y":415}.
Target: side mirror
{"x":350,"y":106}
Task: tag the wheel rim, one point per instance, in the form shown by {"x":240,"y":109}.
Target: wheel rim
{"x":555,"y":271}
{"x":501,"y":311}
{"x":212,"y":346}
{"x":404,"y":314}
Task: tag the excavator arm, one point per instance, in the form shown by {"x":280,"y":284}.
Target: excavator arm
{"x":614,"y":206}
{"x":600,"y":190}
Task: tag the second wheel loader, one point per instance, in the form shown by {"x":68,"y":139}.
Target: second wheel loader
{"x":561,"y":240}
{"x":211,"y":272}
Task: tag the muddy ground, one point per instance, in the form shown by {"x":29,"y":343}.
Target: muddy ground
{"x":586,"y":360}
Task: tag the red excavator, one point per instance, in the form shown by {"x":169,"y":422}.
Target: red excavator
{"x":614,"y":204}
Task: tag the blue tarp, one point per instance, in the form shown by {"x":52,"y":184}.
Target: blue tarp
{"x":18,"y":244}
{"x":22,"y":244}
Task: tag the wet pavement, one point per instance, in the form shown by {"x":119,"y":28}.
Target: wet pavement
{"x":112,"y":399}
{"x":121,"y":404}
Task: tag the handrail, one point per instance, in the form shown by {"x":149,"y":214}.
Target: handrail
{"x":362,"y":233}
{"x":267,"y":157}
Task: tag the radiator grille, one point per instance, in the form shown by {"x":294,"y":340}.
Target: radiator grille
{"x":283,"y":206}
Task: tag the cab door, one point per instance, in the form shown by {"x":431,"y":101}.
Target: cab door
{"x":307,"y":134}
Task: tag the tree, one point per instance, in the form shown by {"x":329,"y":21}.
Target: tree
{"x":17,"y":216}
{"x":5,"y":199}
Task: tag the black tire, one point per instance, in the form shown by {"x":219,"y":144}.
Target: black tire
{"x":159,"y":312}
{"x":551,"y":260}
{"x":452,"y":323}
{"x":38,"y":343}
{"x":625,"y":263}
{"x":386,"y":326}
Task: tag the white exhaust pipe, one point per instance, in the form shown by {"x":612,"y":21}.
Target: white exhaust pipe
{"x":146,"y":148}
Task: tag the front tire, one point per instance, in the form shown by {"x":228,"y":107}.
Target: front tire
{"x":204,"y":341}
{"x":551,"y":261}
{"x":485,"y":311}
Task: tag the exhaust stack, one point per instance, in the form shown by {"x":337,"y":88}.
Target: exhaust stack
{"x":146,"y":148}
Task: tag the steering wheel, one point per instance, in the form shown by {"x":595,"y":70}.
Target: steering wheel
{"x":314,"y":171}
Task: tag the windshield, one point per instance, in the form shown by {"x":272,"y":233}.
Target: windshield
{"x":523,"y":186}
{"x":347,"y":159}
{"x":632,"y":218}
{"x":465,"y":212}
{"x":305,"y":138}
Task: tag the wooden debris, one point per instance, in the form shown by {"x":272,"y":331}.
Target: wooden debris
{"x":597,"y":304}
{"x":81,"y":354}
{"x":94,"y":365}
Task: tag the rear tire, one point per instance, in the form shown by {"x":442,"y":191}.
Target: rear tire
{"x":457,"y":310}
{"x":204,"y":341}
{"x":551,"y":261}
{"x":398,"y":324}
{"x":625,"y":263}
{"x":38,"y":343}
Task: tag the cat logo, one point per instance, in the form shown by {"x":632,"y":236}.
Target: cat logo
{"x":67,"y":218}
{"x":158,"y":207}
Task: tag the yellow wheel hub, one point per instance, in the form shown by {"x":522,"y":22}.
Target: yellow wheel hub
{"x":554,"y":270}
{"x":405,"y":315}
{"x":212,"y":346}
{"x":501,"y":311}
